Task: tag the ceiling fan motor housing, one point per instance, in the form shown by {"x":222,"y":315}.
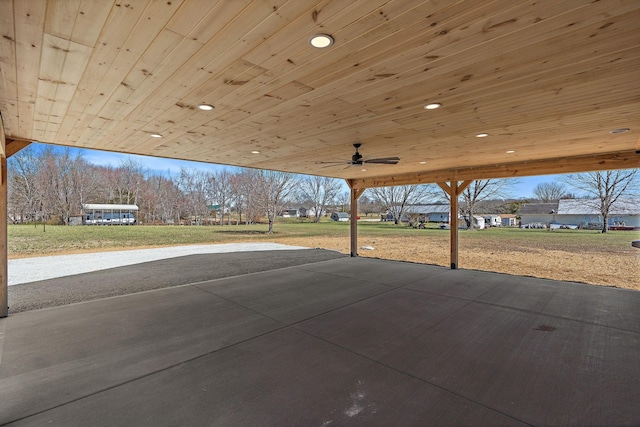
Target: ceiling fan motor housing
{"x":355,"y":159}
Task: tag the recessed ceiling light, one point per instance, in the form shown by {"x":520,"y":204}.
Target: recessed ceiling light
{"x":621,"y":130}
{"x":511,"y":151}
{"x":321,"y":41}
{"x":482,"y":135}
{"x":155,"y":135}
{"x":432,"y":106}
{"x":423,"y":163}
{"x":206,"y":107}
{"x":255,"y":152}
{"x":364,"y":170}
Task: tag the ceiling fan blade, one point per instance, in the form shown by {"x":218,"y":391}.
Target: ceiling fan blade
{"x":333,"y":164}
{"x":384,"y":160}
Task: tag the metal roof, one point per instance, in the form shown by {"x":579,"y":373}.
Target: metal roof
{"x":104,"y":207}
{"x":538,"y":208}
{"x":427,"y":209}
{"x":592,"y":207}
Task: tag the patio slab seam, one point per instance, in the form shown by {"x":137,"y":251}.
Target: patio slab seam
{"x":522,"y":310}
{"x":3,"y":328}
{"x":407,"y":374}
{"x":391,"y":289}
{"x":148,"y":374}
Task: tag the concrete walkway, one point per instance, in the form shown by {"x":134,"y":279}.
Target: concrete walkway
{"x":26,"y":270}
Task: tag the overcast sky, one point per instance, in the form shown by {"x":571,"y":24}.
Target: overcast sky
{"x":523,"y":188}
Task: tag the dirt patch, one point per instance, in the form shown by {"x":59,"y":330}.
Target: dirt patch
{"x":620,"y":269}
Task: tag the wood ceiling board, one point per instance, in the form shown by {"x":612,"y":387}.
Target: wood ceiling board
{"x":489,"y":76}
{"x":197,"y":82}
{"x":192,"y":16}
{"x":29,"y":29}
{"x":294,"y":66}
{"x":152,"y":67}
{"x":8,"y":75}
{"x":114,"y":35}
{"x":143,"y":32}
{"x":459,"y":68}
{"x":284,"y":47}
{"x":404,"y":48}
{"x":233,"y":80}
{"x":62,"y":66}
{"x":296,"y":102}
{"x":198,"y":77}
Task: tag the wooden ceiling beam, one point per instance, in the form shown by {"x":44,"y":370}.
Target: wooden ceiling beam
{"x":14,"y":145}
{"x":612,"y":161}
{"x":3,"y":140}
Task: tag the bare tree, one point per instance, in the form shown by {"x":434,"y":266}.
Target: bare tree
{"x":479,"y":191}
{"x":319,"y":191}
{"x":245,"y":187}
{"x":59,"y":183}
{"x":271,"y":189}
{"x":344,"y":201}
{"x":130,"y":177}
{"x":23,"y":197}
{"x":606,"y":187}
{"x":159,"y":200}
{"x":396,"y":199}
{"x":195,"y":186}
{"x":548,"y":192}
{"x":368,"y":205}
{"x":222,"y":192}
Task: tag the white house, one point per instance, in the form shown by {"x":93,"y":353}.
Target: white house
{"x":493,"y":220}
{"x":309,"y":212}
{"x":429,"y":213}
{"x":290,"y":213}
{"x":477,"y":223}
{"x":582,"y":213}
{"x":586,"y":212}
{"x":509,"y":220}
{"x":108,"y":214}
{"x":538,"y":213}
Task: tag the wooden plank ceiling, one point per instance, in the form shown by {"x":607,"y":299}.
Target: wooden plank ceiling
{"x":546,"y":79}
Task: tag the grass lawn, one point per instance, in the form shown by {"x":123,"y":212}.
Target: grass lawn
{"x":576,"y":255}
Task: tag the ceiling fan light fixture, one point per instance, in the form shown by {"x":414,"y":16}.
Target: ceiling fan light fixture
{"x":206,"y":107}
{"x":432,"y":106}
{"x":321,"y":41}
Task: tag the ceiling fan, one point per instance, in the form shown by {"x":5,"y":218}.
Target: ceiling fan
{"x":357,"y":160}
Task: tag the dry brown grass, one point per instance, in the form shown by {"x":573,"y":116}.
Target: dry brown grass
{"x":598,"y":266}
{"x":569,"y":255}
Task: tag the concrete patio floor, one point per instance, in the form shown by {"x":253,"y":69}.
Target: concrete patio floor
{"x":345,"y":341}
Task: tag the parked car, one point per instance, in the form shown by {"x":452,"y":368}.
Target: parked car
{"x":340,"y":216}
